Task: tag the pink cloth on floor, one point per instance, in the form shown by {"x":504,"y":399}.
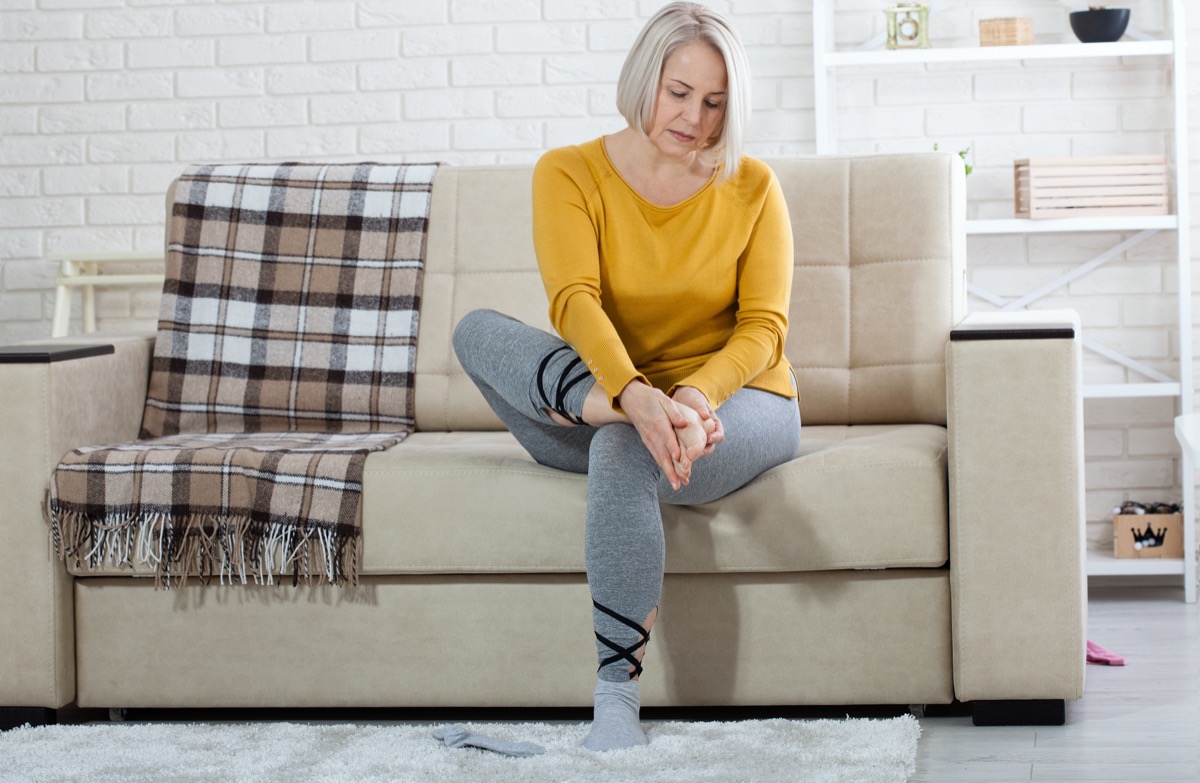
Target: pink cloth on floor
{"x":1097,"y":654}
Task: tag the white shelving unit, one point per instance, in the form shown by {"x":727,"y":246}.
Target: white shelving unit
{"x":827,"y":59}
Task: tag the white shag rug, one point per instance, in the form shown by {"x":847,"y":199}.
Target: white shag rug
{"x":854,"y":750}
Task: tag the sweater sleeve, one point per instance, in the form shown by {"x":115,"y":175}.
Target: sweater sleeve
{"x":566,"y":242}
{"x":764,"y":286}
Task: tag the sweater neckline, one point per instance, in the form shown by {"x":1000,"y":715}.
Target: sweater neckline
{"x":637,"y":195}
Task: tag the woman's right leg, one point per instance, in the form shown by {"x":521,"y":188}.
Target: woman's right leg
{"x":525,"y":373}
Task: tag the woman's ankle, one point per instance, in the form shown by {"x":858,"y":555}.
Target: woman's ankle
{"x":598,"y":411}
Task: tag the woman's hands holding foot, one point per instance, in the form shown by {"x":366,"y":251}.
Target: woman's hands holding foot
{"x":691,"y":397}
{"x":676,"y":431}
{"x":657,"y":419}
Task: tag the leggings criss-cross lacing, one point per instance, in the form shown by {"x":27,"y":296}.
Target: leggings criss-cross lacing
{"x":622,"y":653}
{"x":563,"y":385}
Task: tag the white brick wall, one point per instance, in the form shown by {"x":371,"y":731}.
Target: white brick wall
{"x":103,"y":101}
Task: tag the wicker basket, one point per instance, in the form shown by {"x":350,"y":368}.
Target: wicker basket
{"x":1010,"y":31}
{"x":1091,"y":187}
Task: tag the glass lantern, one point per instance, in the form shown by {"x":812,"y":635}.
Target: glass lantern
{"x":907,"y":26}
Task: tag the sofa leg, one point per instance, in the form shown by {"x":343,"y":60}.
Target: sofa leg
{"x":1032,"y":712}
{"x":12,"y":717}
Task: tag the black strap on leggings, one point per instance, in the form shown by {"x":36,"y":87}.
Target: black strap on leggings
{"x":562,"y":386}
{"x":625,"y":653}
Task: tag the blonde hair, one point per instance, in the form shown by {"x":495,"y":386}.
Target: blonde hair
{"x":674,"y":26}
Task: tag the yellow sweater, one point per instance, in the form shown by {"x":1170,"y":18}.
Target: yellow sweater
{"x":694,"y":294}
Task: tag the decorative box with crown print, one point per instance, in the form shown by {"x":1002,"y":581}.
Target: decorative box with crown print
{"x":1147,"y":533}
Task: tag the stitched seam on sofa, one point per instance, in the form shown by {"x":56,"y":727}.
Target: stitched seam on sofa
{"x":870,"y":467}
{"x":474,"y":472}
{"x":960,"y":645}
{"x":849,"y":290}
{"x":1068,"y":359}
{"x":459,"y":569}
{"x":407,"y":569}
{"x":954,"y":281}
{"x":451,"y":359}
{"x":872,"y":366}
{"x":925,"y":260}
{"x":841,"y":565}
{"x":774,"y":475}
{"x":51,"y":631}
{"x":826,"y":468}
{"x":527,"y":272}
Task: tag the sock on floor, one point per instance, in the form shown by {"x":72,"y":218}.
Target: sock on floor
{"x":456,"y":736}
{"x":615,"y":722}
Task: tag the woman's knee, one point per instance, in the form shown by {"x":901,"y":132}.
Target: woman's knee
{"x":469,"y":330}
{"x":615,"y":440}
{"x":477,"y":340}
{"x":617,"y":450}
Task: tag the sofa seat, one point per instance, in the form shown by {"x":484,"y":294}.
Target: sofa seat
{"x":476,"y":502}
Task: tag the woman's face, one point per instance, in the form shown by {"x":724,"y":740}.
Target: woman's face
{"x":690,"y":105}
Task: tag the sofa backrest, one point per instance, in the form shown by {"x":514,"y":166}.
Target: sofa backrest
{"x":879,"y":251}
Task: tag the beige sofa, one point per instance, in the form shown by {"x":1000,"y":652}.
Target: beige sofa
{"x":925,"y":548}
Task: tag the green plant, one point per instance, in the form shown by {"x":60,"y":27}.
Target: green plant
{"x":962,"y":154}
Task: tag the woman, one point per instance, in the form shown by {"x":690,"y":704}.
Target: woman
{"x":667,"y":259}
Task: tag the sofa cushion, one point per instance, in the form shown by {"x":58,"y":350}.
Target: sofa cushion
{"x":878,"y":283}
{"x":476,"y":502}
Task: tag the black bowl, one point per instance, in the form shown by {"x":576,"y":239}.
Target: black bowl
{"x":1100,"y":25}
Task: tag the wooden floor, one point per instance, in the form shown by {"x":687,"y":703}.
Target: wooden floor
{"x":1139,"y":722}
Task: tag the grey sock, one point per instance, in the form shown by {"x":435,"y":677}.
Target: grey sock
{"x":456,"y":736}
{"x":615,"y":722}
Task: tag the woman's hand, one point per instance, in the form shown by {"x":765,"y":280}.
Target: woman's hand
{"x":695,"y":399}
{"x":656,"y":418}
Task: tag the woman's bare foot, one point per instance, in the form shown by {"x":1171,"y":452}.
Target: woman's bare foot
{"x":692,"y":440}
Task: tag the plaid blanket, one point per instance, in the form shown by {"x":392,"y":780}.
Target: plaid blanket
{"x":285,"y":354}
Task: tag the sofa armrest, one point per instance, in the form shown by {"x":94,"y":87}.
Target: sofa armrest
{"x":49,"y":408}
{"x":1017,"y":546}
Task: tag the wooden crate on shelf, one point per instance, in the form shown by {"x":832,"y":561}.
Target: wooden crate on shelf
{"x":1010,"y":31}
{"x":1091,"y":187}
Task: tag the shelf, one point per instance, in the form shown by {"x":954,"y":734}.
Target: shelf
{"x":968,"y":54}
{"x":1187,"y":432}
{"x":1171,"y":55}
{"x":131,"y":255}
{"x":1066,"y":225}
{"x":1104,"y":564}
{"x":1095,"y":391}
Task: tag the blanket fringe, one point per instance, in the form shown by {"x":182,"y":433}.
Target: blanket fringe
{"x":237,"y":549}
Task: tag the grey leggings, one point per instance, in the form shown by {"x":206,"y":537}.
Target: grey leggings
{"x":522,"y":371}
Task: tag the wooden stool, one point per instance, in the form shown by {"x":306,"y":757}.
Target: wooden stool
{"x":78,"y":270}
